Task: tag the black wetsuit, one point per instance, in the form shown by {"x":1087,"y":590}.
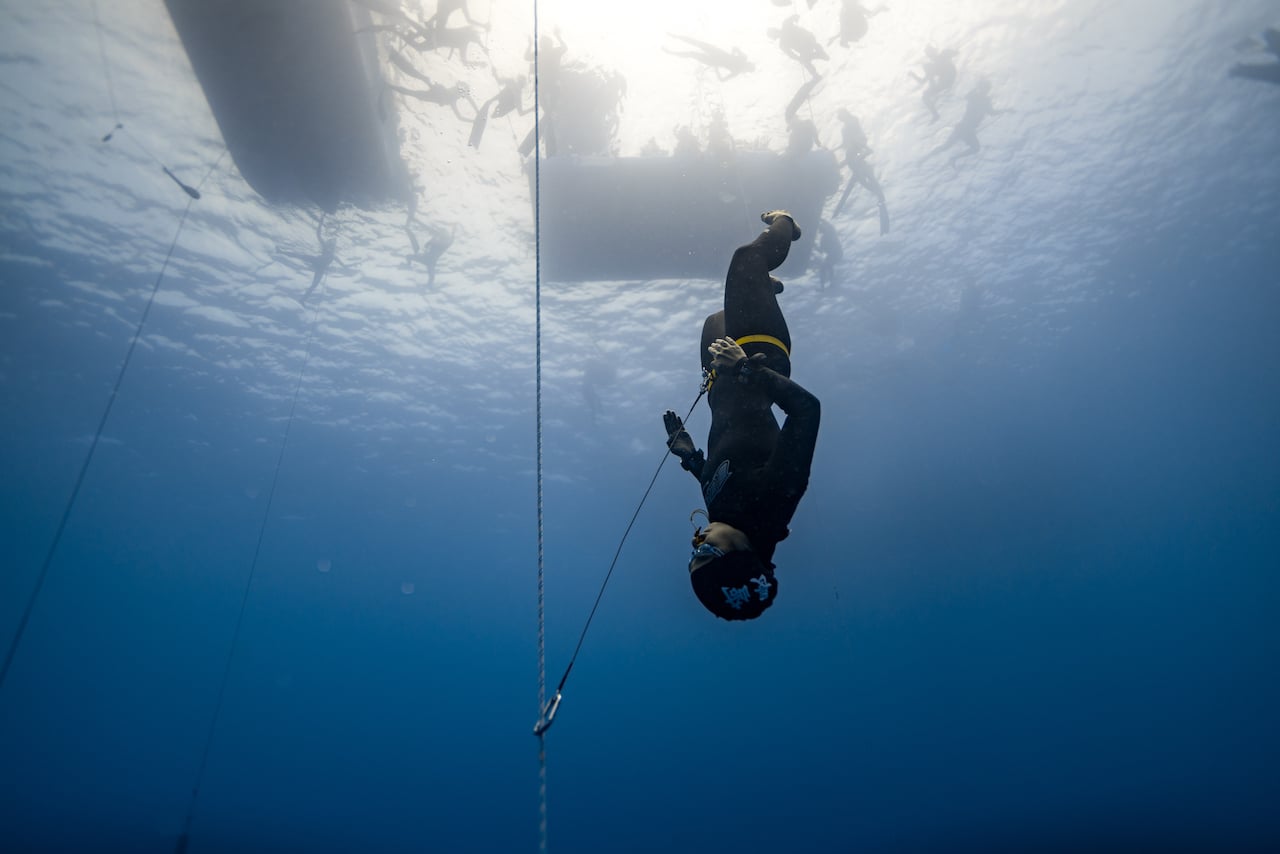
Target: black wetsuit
{"x":754,"y":472}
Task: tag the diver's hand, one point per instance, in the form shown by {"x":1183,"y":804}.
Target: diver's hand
{"x":725,"y":353}
{"x":679,"y":442}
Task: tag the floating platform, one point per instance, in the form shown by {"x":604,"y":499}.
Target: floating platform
{"x":613,"y":218}
{"x":297,"y":92}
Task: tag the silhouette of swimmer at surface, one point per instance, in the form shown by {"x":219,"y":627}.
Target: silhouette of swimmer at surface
{"x":546,"y":66}
{"x":441,"y":239}
{"x":510,"y":99}
{"x":445,"y":96}
{"x":856,"y":151}
{"x":454,"y":40}
{"x":978,"y":106}
{"x":1267,"y":72}
{"x":853,"y":21}
{"x":799,"y":44}
{"x":727,"y":63}
{"x":939,"y":77}
{"x":754,"y":473}
{"x":446,"y":8}
{"x":318,"y":264}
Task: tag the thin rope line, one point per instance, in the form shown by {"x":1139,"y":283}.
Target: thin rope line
{"x":537,"y":361}
{"x":93,"y":445}
{"x":618,"y":552}
{"x":244,"y":598}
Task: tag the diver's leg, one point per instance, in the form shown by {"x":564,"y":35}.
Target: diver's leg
{"x":750,"y":295}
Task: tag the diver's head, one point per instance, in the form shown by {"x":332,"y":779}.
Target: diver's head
{"x":728,"y":577}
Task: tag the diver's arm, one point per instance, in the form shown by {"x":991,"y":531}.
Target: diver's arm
{"x":793,"y":453}
{"x":680,"y":443}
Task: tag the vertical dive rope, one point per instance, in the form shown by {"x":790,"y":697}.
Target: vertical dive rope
{"x":537,"y":372}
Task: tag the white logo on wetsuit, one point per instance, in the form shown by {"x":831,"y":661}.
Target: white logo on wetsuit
{"x":736,"y":597}
{"x":717,"y":482}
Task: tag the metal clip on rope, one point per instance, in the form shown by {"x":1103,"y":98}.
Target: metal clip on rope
{"x":548,"y":715}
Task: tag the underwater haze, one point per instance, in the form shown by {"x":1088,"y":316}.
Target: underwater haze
{"x":269,"y":579}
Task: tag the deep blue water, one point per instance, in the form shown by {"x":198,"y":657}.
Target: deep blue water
{"x":1029,"y":601}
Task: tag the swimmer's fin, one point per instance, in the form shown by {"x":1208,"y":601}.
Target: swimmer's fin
{"x":844,"y":197}
{"x":477,"y":126}
{"x":530,"y":141}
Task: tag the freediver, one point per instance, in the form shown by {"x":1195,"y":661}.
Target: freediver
{"x":546,"y":66}
{"x":1268,"y":72}
{"x":799,"y":44}
{"x":754,"y":473}
{"x":429,"y":255}
{"x":445,"y":96}
{"x":856,"y":152}
{"x":444,"y":9}
{"x":939,"y":77}
{"x":318,"y":264}
{"x":977,"y":107}
{"x":853,"y":21}
{"x":510,"y":99}
{"x":399,"y":60}
{"x":454,"y":40}
{"x":727,"y":63}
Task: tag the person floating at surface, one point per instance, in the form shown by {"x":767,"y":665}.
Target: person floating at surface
{"x":754,"y":473}
{"x":445,"y":8}
{"x":445,"y":96}
{"x":853,"y":21}
{"x":799,"y":44}
{"x":318,"y":264}
{"x":441,"y":239}
{"x":727,"y":64}
{"x":1268,"y":72}
{"x":979,"y":106}
{"x":508,"y":100}
{"x":546,"y":66}
{"x":939,"y":77}
{"x":454,"y":40}
{"x":856,"y":151}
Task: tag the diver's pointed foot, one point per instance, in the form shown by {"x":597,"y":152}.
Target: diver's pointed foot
{"x":768,"y":218}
